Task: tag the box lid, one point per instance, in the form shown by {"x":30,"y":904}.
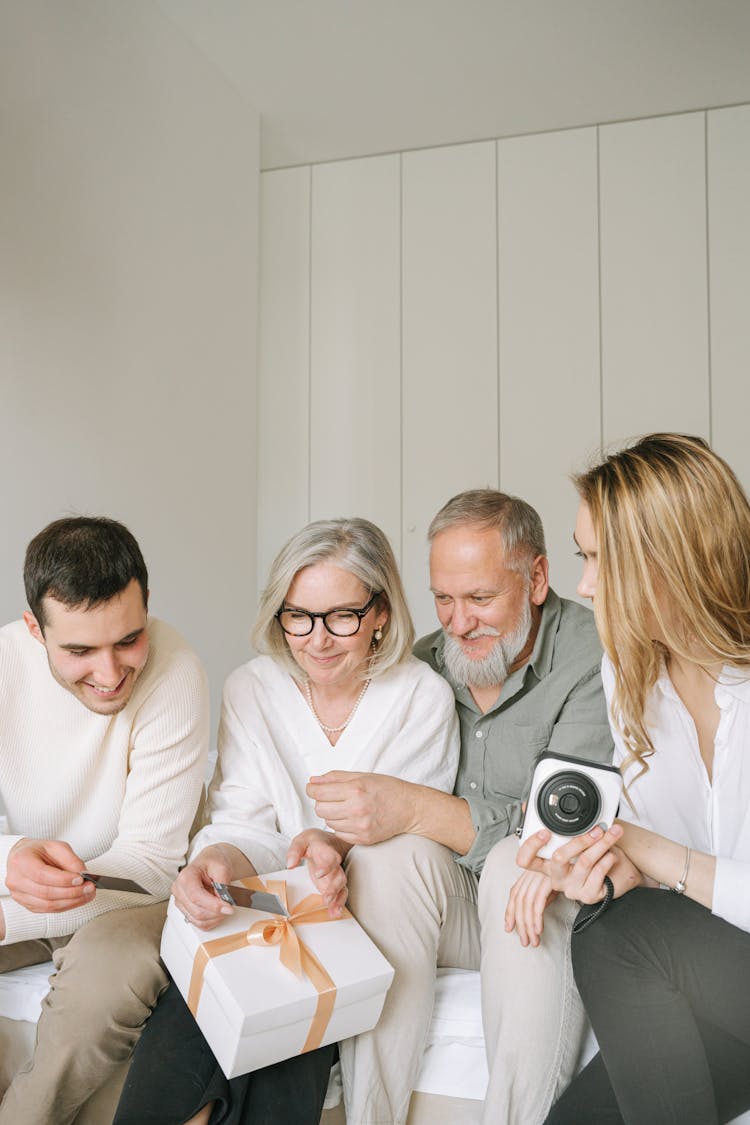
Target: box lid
{"x":250,"y":984}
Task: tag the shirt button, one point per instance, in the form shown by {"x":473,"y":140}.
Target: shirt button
{"x":472,"y":785}
{"x":477,"y":734}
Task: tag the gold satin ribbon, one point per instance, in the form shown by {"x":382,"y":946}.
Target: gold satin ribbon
{"x":293,"y":953}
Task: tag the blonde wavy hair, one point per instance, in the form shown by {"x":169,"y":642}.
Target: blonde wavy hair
{"x":672,"y":524}
{"x":355,"y":545}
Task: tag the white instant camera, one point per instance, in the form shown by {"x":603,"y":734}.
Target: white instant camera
{"x":569,"y":796}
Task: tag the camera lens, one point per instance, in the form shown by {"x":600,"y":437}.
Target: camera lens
{"x":569,"y":803}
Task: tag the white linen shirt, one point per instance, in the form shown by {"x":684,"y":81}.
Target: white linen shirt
{"x":676,"y":798}
{"x":270,"y":744}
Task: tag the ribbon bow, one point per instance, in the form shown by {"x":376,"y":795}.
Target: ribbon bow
{"x":293,"y":953}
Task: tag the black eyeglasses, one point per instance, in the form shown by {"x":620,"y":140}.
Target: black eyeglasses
{"x":338,"y":622}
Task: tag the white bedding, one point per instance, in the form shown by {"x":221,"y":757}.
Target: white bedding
{"x":454,"y":1063}
{"x":22,"y":991}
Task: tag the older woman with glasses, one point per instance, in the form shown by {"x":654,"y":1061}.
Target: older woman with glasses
{"x":336,"y":688}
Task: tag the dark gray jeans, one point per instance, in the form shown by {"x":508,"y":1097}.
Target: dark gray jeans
{"x":667,"y":988}
{"x":174,"y":1074}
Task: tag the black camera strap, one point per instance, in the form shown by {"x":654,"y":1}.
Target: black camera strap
{"x":588,"y":914}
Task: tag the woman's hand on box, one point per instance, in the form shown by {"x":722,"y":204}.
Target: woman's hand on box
{"x":193,"y":888}
{"x":324,"y":853}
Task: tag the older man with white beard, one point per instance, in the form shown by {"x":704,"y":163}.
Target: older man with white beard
{"x":524,"y":667}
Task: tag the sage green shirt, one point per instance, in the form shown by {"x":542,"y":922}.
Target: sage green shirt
{"x":554,"y":703}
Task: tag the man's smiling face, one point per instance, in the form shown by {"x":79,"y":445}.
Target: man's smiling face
{"x":96,"y":653}
{"x":482,"y":603}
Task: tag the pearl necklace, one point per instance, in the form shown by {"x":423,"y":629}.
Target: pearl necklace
{"x":349,"y":717}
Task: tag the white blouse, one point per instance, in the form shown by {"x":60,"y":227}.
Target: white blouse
{"x":676,"y":798}
{"x":270,"y":744}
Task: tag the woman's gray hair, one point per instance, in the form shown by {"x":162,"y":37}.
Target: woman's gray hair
{"x":520,"y":527}
{"x":362,"y":549}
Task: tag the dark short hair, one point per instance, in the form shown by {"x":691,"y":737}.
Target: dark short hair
{"x":81,"y":561}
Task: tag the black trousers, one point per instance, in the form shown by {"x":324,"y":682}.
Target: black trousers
{"x":174,"y":1074}
{"x":667,"y":988}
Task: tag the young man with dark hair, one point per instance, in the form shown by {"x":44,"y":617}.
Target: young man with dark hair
{"x":103,"y":737}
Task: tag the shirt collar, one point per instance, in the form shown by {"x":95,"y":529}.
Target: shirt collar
{"x":544,"y":645}
{"x":733,"y":683}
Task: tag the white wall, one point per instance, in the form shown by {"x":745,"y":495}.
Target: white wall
{"x":128,"y":260}
{"x":495,"y":313}
{"x":337,"y":79}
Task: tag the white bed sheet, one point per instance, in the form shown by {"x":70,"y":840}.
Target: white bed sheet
{"x":22,"y":991}
{"x":454,"y":1063}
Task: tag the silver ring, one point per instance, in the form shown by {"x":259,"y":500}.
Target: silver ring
{"x":187,"y":918}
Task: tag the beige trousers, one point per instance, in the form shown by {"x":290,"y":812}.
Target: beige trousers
{"x":424,"y":911}
{"x":108,"y":978}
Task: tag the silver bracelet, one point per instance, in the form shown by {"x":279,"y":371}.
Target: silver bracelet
{"x":681,"y":885}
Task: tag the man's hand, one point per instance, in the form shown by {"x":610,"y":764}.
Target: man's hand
{"x":45,"y":876}
{"x":324,"y":853}
{"x":529,"y":897}
{"x":364,"y":808}
{"x":577,"y":868}
{"x":193,"y":888}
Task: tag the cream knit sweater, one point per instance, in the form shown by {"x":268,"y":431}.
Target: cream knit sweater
{"x":120,"y":789}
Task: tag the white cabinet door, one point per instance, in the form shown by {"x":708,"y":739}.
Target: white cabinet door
{"x":283,"y":362}
{"x":355,"y":385}
{"x":729,"y":275}
{"x":654,"y":288}
{"x":449,"y":343}
{"x":550,"y":399}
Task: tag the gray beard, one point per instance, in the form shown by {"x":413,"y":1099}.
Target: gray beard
{"x":493,"y":668}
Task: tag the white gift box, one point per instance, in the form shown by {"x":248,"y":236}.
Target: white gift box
{"x":253,"y":1010}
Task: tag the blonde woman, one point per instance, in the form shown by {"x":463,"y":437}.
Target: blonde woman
{"x":664,"y":534}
